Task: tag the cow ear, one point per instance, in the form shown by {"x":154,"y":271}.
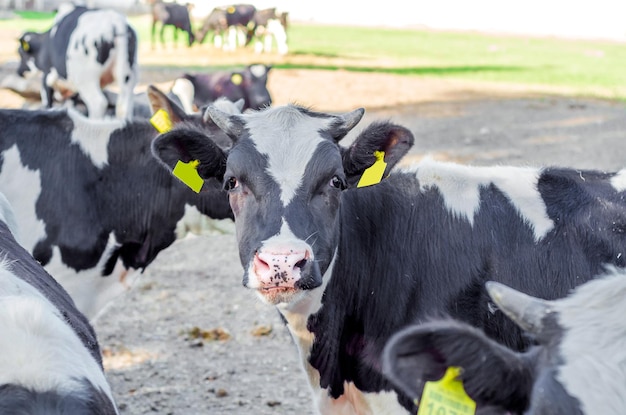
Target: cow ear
{"x":158,"y":101}
{"x":187,"y":145}
{"x":492,"y":375}
{"x":394,"y":141}
{"x":232,"y":125}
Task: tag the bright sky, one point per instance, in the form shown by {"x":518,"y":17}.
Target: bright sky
{"x":587,"y":19}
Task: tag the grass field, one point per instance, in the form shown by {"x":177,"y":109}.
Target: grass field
{"x":591,"y":68}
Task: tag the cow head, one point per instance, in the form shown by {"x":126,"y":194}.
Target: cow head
{"x":254,"y":86}
{"x":578,"y":339}
{"x":31,"y":45}
{"x":284,"y":176}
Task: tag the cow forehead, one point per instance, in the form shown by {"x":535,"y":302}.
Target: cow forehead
{"x":288,"y":138}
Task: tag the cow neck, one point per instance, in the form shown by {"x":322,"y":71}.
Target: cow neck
{"x":297,"y":316}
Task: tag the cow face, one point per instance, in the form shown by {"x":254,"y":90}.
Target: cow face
{"x":577,"y":367}
{"x":29,"y":48}
{"x":284,"y":176}
{"x":254,"y":86}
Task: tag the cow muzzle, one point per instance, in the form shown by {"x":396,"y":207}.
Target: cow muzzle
{"x":279,"y":275}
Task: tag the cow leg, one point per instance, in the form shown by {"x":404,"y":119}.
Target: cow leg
{"x":47,"y":92}
{"x":232,"y":39}
{"x":153,"y":33}
{"x":175,"y":37}
{"x":161,"y":35}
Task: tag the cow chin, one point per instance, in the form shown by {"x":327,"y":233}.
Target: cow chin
{"x":279,"y":295}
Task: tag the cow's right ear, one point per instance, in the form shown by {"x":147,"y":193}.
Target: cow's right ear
{"x":183,"y":145}
{"x":492,"y":375}
{"x":160,"y":101}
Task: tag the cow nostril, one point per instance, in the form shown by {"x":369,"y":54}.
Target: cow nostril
{"x":260,"y":265}
{"x":300,"y":264}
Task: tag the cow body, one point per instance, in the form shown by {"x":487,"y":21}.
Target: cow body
{"x":90,"y":198}
{"x":171,"y":14}
{"x":348,"y":268}
{"x":578,"y":366}
{"x":84,"y":51}
{"x":50,"y":360}
{"x":250,"y":84}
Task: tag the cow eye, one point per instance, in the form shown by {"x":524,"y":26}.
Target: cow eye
{"x":230,"y":183}
{"x":337,"y":183}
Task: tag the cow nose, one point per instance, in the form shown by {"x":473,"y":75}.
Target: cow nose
{"x":281,"y":269}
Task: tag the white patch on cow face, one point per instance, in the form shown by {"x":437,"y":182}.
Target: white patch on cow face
{"x":288,"y":138}
{"x":460,"y":188}
{"x":258,"y":70}
{"x":22,"y":188}
{"x":619,"y":181}
{"x":93,"y":136}
{"x":593,"y":345}
{"x":39,"y":350}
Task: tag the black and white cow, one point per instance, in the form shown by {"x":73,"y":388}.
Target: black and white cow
{"x":171,"y":14}
{"x":270,"y":26}
{"x":91,"y":199}
{"x":84,"y":51}
{"x":348,"y":267}
{"x":250,"y":84}
{"x":578,"y":367}
{"x":235,"y":21}
{"x":50,"y":361}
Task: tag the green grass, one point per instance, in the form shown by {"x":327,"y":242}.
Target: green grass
{"x":584,"y":67}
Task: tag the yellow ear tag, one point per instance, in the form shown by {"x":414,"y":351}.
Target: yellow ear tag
{"x":25,"y":46}
{"x":236,"y":79}
{"x":446,"y":396}
{"x":230,"y":10}
{"x":161,"y":121}
{"x":374,"y":173}
{"x":188,"y":174}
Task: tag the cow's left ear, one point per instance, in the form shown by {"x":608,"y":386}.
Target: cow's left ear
{"x":185,"y":146}
{"x":391,"y":139}
{"x":492,"y":374}
{"x":160,"y":101}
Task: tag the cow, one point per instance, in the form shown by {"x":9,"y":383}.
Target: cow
{"x":270,"y":26}
{"x":577,"y":367}
{"x":84,"y":51}
{"x":91,"y":199}
{"x":250,"y":84}
{"x":171,"y":14}
{"x":348,"y":262}
{"x":50,"y":358}
{"x":237,"y":20}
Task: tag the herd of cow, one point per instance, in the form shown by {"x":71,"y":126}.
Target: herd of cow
{"x":229,"y":26}
{"x":387,"y":277}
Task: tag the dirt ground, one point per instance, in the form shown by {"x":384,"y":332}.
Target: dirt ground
{"x":189,"y":339}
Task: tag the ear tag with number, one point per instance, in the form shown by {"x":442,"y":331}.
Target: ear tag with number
{"x":161,"y":121}
{"x":446,"y":396}
{"x":374,"y":173}
{"x":236,"y":79}
{"x":188,"y":174}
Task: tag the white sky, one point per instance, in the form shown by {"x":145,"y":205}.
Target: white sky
{"x":570,"y":18}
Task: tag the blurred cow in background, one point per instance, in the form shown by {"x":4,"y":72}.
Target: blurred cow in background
{"x":270,"y":26}
{"x":171,"y":14}
{"x":84,"y":51}
{"x":237,"y":20}
{"x":250,"y":84}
